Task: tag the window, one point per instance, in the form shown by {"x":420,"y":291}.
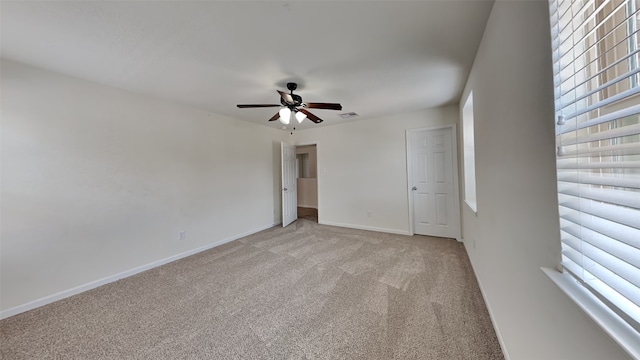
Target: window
{"x":597,"y":104}
{"x":469,"y":157}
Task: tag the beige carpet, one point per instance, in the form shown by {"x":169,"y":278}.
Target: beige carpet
{"x":307,"y":291}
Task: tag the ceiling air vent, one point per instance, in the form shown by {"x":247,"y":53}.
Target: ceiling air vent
{"x":349,"y":115}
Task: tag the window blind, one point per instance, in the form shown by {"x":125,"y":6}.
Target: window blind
{"x":596,"y":70}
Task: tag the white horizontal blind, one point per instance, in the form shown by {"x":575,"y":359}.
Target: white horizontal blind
{"x":596,"y":53}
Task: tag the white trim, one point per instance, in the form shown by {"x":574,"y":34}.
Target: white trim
{"x":456,"y":185}
{"x":619,"y":330}
{"x":109,"y":279}
{"x":362,"y":227}
{"x":407,"y":136}
{"x":501,"y":341}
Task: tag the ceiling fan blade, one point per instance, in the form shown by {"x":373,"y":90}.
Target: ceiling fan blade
{"x":275,"y":117}
{"x":310,"y":116}
{"x":286,"y":97}
{"x":243,"y":106}
{"x":327,"y":106}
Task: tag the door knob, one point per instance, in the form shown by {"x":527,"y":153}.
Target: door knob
{"x":414,"y":188}
{"x":285,"y":189}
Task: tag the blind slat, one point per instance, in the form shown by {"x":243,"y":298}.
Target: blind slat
{"x":615,"y":115}
{"x":619,"y":214}
{"x":607,"y":150}
{"x":570,"y":29}
{"x":612,"y":196}
{"x":604,"y":135}
{"x":558,"y":57}
{"x":620,"y":250}
{"x":588,"y":224}
{"x":612,"y":82}
{"x":573,"y":254}
{"x":582,"y":23}
{"x":573,"y":267}
{"x":613,"y":280}
{"x":621,"y":269}
{"x":608,"y":101}
{"x":573,"y":164}
{"x":628,"y":308}
{"x":603,"y":180}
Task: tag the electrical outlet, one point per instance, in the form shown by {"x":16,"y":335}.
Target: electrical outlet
{"x":369,"y":213}
{"x":182,"y":235}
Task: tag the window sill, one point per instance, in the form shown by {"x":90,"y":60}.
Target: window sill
{"x":621,"y":332}
{"x":472,"y":205}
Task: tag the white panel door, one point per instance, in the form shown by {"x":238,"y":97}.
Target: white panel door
{"x":289,"y":185}
{"x":432,"y":182}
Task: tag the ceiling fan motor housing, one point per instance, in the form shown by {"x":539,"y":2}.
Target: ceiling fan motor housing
{"x":297,"y":101}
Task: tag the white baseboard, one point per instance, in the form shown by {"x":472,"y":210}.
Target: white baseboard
{"x":362,"y":227}
{"x":308,"y":206}
{"x":486,"y":302}
{"x":94,"y":284}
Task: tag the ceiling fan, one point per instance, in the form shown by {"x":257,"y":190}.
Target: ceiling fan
{"x":292,"y":104}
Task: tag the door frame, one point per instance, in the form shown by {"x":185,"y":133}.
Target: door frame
{"x":456,"y":187}
{"x":317,"y":171}
{"x":282,"y":183}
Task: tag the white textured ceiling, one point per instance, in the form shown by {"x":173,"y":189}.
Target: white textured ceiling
{"x":374,"y":57}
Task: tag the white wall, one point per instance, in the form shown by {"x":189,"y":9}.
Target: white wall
{"x":362,"y":166}
{"x":516,"y":230}
{"x":96,"y":181}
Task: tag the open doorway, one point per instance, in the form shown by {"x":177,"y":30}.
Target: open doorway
{"x":307,"y":181}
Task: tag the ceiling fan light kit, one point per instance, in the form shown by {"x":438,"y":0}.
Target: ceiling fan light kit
{"x":285,"y":115}
{"x":292,"y":103}
{"x":300,"y":116}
